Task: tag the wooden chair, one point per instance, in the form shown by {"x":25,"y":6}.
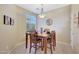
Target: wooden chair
{"x":34,"y":40}
{"x":52,"y":40}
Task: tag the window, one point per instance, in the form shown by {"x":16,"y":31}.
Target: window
{"x":31,"y":23}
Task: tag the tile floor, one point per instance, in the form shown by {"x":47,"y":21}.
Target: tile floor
{"x":60,"y":49}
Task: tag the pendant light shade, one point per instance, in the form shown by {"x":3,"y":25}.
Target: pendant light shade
{"x":41,"y":15}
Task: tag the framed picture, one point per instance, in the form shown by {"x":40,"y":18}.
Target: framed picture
{"x":8,"y":20}
{"x":49,"y":21}
{"x":11,"y":21}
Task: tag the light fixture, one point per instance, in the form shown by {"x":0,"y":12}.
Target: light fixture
{"x":41,"y":15}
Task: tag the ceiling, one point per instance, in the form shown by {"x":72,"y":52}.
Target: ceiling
{"x":36,"y":8}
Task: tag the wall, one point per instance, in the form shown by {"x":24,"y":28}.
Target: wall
{"x":61,"y":24}
{"x":12,"y":35}
{"x":75,"y":28}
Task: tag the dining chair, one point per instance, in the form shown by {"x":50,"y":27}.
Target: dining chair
{"x":52,"y":40}
{"x":34,"y":40}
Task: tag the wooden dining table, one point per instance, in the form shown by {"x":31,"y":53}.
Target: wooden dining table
{"x":44,"y":37}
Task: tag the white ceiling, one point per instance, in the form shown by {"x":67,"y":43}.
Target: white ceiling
{"x":35,"y":8}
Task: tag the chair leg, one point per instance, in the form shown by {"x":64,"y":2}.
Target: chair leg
{"x":54,"y":48}
{"x":42,"y":45}
{"x":35,"y":48}
{"x":51,"y":48}
{"x":30,"y":49}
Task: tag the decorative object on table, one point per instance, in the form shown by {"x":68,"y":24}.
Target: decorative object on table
{"x":41,"y":30}
{"x":49,"y":21}
{"x":47,"y":31}
{"x":8,"y":20}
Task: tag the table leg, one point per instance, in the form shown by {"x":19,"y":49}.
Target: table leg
{"x":45,"y":45}
{"x":42,"y":45}
{"x":26,"y":42}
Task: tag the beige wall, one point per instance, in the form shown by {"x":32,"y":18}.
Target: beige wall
{"x":61,"y":24}
{"x":75,"y":28}
{"x":12,"y":35}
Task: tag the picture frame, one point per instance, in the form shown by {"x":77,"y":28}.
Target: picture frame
{"x":8,"y":20}
{"x":11,"y":21}
{"x":49,"y":21}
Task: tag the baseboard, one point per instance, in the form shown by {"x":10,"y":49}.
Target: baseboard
{"x":4,"y":52}
{"x":16,"y":45}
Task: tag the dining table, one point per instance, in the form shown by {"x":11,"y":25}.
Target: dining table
{"x":43,"y":36}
